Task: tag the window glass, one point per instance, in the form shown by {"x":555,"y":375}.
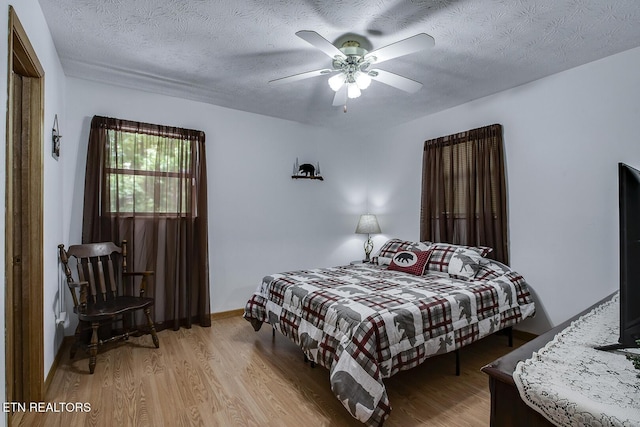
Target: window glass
{"x":148,"y":173}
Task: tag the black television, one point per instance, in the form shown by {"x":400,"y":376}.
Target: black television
{"x":629,"y":211}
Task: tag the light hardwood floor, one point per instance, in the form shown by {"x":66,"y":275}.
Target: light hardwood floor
{"x":229,"y":375}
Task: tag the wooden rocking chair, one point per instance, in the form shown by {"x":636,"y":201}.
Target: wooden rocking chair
{"x":103,"y":295}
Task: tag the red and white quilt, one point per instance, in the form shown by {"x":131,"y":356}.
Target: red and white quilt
{"x":365,"y":323}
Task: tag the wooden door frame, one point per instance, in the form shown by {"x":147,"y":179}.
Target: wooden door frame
{"x":23,"y":60}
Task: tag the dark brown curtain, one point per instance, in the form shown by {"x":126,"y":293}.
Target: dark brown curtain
{"x":147,"y":184}
{"x":464,"y":191}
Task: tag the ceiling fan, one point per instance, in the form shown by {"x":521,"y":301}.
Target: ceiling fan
{"x":352,"y":65}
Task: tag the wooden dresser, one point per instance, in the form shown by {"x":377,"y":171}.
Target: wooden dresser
{"x":507,"y":408}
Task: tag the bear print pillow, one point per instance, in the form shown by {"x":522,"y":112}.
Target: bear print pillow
{"x":412,"y":262}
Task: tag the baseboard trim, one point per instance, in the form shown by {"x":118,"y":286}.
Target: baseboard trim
{"x":226,"y":314}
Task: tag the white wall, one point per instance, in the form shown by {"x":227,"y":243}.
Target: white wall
{"x":31,"y":17}
{"x":260,"y":220}
{"x":564,"y":136}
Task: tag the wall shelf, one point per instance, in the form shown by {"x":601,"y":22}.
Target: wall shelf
{"x":307,"y":177}
{"x":306,"y":171}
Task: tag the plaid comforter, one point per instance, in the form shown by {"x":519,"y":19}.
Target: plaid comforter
{"x":365,"y":323}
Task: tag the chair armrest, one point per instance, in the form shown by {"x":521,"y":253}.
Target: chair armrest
{"x":79,"y":301}
{"x":139,"y":273}
{"x":78,"y":284}
{"x":143,"y":283}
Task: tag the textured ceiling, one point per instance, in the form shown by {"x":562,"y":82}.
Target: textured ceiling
{"x":225,"y":52}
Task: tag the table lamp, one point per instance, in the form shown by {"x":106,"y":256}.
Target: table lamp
{"x":368,"y":224}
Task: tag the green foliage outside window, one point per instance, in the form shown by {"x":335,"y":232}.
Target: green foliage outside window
{"x":148,"y":173}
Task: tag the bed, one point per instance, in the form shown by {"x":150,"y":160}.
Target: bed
{"x":366,"y":322}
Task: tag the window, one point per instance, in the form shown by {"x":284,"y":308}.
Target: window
{"x":459,"y":172}
{"x":148,"y":173}
{"x":464,"y":190}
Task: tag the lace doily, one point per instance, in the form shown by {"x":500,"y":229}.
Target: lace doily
{"x":573,"y":384}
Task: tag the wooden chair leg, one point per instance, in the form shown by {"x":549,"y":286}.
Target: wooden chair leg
{"x":93,"y":347}
{"x":152,"y":327}
{"x":127,"y":324}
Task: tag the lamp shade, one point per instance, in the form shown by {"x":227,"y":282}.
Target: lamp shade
{"x":337,"y":81}
{"x":368,"y":224}
{"x":353,"y":91}
{"x":363,"y":80}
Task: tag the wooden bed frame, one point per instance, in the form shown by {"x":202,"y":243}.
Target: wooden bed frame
{"x":507,"y":408}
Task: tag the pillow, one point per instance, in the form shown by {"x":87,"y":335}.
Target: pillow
{"x":443,"y":252}
{"x":482,"y":250}
{"x":381,"y":260}
{"x":392,"y":246}
{"x":491,"y":270}
{"x":465,"y":263}
{"x":418,"y":246}
{"x":412,"y":262}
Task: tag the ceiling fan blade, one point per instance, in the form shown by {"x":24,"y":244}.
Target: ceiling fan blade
{"x":395,"y":80}
{"x":340,"y":98}
{"x":321,"y":43}
{"x":403,"y":47}
{"x":301,"y":76}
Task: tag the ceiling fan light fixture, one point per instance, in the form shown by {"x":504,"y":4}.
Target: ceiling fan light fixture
{"x":337,"y":81}
{"x":353,"y":91}
{"x":362,"y":80}
{"x":352,"y":61}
